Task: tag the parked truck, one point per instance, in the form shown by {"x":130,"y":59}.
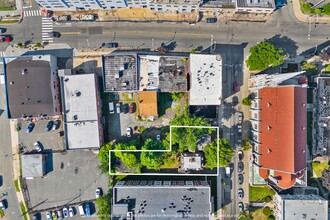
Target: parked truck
{"x":227,"y":171}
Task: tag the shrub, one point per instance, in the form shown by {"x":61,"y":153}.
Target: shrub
{"x":271,"y":217}
{"x":267,"y":211}
{"x":268,"y":199}
{"x":247,"y":101}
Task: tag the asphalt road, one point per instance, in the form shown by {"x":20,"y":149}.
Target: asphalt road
{"x":138,"y":35}
{"x":7,"y":190}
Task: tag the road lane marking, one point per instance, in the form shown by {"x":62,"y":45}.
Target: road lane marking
{"x":70,"y":33}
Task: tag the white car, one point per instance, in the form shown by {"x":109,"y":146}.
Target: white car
{"x":37,"y":146}
{"x":65,"y":212}
{"x":98,"y":192}
{"x":128,"y":132}
{"x":71,"y":213}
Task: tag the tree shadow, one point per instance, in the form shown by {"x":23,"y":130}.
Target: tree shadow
{"x":287,"y":44}
{"x":315,"y":50}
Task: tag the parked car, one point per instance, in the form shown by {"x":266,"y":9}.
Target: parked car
{"x":36,"y":216}
{"x":3,"y":204}
{"x":59,"y":214}
{"x":1,"y":180}
{"x":239,"y":116}
{"x":125,"y":108}
{"x":158,"y":137}
{"x":129,"y":132}
{"x":240,"y":167}
{"x":2,"y":30}
{"x":48,"y":216}
{"x":240,"y":155}
{"x":87,"y":209}
{"x":54,"y":215}
{"x":56,"y":125}
{"x":49,"y":125}
{"x":37,"y":146}
{"x":98,"y":192}
{"x":240,"y":207}
{"x":118,"y":107}
{"x":239,"y":128}
{"x":131,"y":108}
{"x":30,"y":128}
{"x":65,"y":212}
{"x":240,"y":193}
{"x":5,"y":38}
{"x":71,"y":212}
{"x":111,"y":45}
{"x":211,"y":20}
{"x":240,"y":178}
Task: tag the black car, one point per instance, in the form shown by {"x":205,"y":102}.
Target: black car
{"x":240,"y":155}
{"x":49,"y":125}
{"x":111,"y":45}
{"x":240,"y":167}
{"x":240,"y":194}
{"x":56,"y":124}
{"x":3,"y":30}
{"x":125,"y":108}
{"x":240,"y":178}
{"x":29,"y":127}
{"x":211,"y":20}
{"x":240,"y":207}
{"x":54,"y":34}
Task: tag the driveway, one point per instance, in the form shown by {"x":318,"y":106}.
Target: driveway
{"x":72,"y":178}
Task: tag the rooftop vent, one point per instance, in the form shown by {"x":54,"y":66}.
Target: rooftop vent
{"x":75,"y":117}
{"x":66,"y":79}
{"x":24,"y":71}
{"x":77,"y":93}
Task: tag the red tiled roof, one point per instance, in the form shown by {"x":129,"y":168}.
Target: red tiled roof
{"x":283,"y":130}
{"x":285,"y":180}
{"x":264,"y":173}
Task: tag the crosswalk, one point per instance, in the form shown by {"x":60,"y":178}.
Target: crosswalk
{"x":2,"y":54}
{"x":32,"y":13}
{"x":47,"y":27}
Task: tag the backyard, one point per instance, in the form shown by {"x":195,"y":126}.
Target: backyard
{"x":260,"y":193}
{"x":318,"y":167}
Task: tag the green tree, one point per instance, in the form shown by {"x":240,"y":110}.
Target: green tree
{"x":186,"y":138}
{"x":264,"y":55}
{"x":244,"y":215}
{"x":19,"y":44}
{"x":152,"y":160}
{"x":307,"y":66}
{"x":266,"y":211}
{"x":317,"y":11}
{"x":103,"y":206}
{"x":247,"y":101}
{"x":326,"y":9}
{"x":268,"y":199}
{"x":176,"y":96}
{"x":225,"y":153}
{"x":130,"y":159}
{"x":103,"y":156}
{"x":306,"y":8}
{"x":271,"y":217}
{"x":38,"y":44}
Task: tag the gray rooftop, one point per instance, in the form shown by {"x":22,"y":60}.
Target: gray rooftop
{"x":81,"y":111}
{"x":29,"y":86}
{"x":297,"y":207}
{"x":206,"y":79}
{"x":256,"y":3}
{"x":120,"y":72}
{"x":192,"y":161}
{"x":33,"y":165}
{"x":166,"y":73}
{"x":163,"y":199}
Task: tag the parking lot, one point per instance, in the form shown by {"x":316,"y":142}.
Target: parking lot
{"x":73,"y":178}
{"x":50,"y":140}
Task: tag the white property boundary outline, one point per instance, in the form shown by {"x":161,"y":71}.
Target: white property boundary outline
{"x":169,"y":174}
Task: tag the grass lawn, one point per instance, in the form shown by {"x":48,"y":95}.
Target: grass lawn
{"x":258,"y":214}
{"x":16,"y":186}
{"x":21,"y":204}
{"x":8,"y":21}
{"x":259,"y":193}
{"x":319,"y":167}
{"x":327,"y":69}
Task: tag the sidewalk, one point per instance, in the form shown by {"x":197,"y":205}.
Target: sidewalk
{"x":304,"y":17}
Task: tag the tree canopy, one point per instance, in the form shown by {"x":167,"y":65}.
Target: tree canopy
{"x":103,"y":205}
{"x":152,"y":160}
{"x":247,"y":101}
{"x":225,"y":153}
{"x":185,"y":138}
{"x":264,"y":55}
{"x":103,"y":156}
{"x":244,"y":215}
{"x":130,"y":159}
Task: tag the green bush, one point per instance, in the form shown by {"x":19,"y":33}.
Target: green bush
{"x":247,"y":101}
{"x":16,"y":185}
{"x":271,"y":217}
{"x":326,"y":9}
{"x":267,"y":211}
{"x":268,"y":199}
{"x":2,"y":214}
{"x":306,"y":8}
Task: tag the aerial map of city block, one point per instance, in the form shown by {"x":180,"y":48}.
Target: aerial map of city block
{"x":164,"y":109}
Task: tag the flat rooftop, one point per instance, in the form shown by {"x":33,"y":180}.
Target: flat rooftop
{"x":81,"y":111}
{"x":166,"y":73}
{"x":33,"y":165}
{"x":162,"y":199}
{"x":120,"y":72}
{"x":321,"y":136}
{"x":206,"y":79}
{"x":256,"y":3}
{"x":29,"y":94}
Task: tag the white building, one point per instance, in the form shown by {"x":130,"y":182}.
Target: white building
{"x":297,"y":207}
{"x":157,"y":5}
{"x":206,"y":79}
{"x":82,"y":111}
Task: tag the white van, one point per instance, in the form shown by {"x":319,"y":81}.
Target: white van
{"x":81,"y":210}
{"x":111,"y":108}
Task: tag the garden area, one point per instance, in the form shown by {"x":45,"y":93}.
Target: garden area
{"x":261,"y":194}
{"x":7,"y":5}
{"x":307,"y":8}
{"x":156,"y":155}
{"x":264,"y":213}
